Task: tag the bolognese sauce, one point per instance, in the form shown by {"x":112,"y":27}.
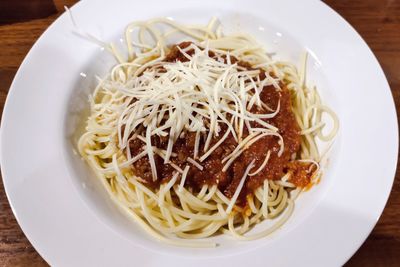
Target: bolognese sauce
{"x":212,"y":172}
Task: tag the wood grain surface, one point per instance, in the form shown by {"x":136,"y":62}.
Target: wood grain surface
{"x":378,"y":22}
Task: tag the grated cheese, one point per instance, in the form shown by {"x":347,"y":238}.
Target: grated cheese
{"x":239,"y":188}
{"x":201,"y":96}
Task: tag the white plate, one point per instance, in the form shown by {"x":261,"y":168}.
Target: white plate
{"x":71,"y":222}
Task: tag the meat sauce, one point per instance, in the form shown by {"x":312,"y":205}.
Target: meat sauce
{"x":212,"y":173}
{"x":301,"y":172}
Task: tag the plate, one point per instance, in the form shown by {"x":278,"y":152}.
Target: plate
{"x":66,"y":214}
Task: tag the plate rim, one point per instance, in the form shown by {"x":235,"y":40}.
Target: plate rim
{"x":37,"y":43}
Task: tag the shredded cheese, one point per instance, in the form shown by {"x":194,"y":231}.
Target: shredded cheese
{"x":183,"y":179}
{"x":195,"y":163}
{"x":262,"y":166}
{"x":239,"y":188}
{"x":199,"y":95}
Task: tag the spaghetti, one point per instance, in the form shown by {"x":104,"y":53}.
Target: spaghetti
{"x":209,"y":135}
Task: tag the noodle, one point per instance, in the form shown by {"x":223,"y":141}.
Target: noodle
{"x":173,"y":210}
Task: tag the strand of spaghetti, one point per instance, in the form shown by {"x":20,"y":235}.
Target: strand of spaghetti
{"x":211,"y":193}
{"x":206,"y":231}
{"x":167,"y":215}
{"x":313,"y":128}
{"x":252,"y":206}
{"x":194,"y":200}
{"x":197,"y":216}
{"x":335,"y":128}
{"x":279,"y":197}
{"x":87,"y":35}
{"x":244,"y":227}
{"x":264,"y":207}
{"x":279,"y":223}
{"x":203,"y":191}
{"x":175,"y":242}
{"x":146,"y":226}
{"x":221,"y":198}
{"x":281,"y":206}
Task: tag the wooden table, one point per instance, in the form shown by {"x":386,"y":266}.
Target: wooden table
{"x":378,"y":22}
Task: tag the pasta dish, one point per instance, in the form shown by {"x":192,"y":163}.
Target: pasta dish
{"x":195,"y":133}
